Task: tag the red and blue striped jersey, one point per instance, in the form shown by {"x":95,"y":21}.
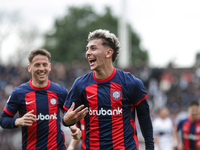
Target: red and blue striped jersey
{"x":189,"y":132}
{"x":81,"y":124}
{"x":45,"y":133}
{"x":110,"y":123}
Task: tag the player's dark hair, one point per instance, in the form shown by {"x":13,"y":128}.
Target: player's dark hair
{"x":39,"y":52}
{"x":194,"y":103}
{"x":108,"y":39}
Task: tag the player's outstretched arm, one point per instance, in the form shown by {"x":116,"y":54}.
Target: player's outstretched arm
{"x":76,"y":132}
{"x":143,"y":114}
{"x":72,"y":116}
{"x":26,"y":120}
{"x":73,"y":143}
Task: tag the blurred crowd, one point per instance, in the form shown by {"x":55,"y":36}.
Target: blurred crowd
{"x":171,"y":87}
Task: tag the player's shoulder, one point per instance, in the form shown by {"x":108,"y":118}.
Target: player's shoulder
{"x":84,"y":78}
{"x":57,"y":86}
{"x":184,"y":120}
{"x":128,"y":77}
{"x":21,"y":87}
{"x":125,"y":74}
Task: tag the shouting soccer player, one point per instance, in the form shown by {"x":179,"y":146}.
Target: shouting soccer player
{"x":112,"y":97}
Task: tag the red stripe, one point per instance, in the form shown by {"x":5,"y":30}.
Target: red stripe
{"x":132,"y":121}
{"x":91,"y":93}
{"x":83,"y":130}
{"x":141,"y":100}
{"x":65,"y":108}
{"x":30,"y":100}
{"x":53,"y":107}
{"x":9,"y":113}
{"x":117,"y":119}
{"x":186,"y":131}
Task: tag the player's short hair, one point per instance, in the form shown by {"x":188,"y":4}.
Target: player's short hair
{"x":108,"y":39}
{"x":39,"y":52}
{"x":194,"y":103}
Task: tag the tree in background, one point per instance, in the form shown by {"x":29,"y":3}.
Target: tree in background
{"x":67,"y":40}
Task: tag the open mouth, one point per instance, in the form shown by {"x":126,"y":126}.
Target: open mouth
{"x":92,"y":61}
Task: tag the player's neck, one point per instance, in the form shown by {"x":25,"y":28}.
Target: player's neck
{"x":104,"y":72}
{"x":40,"y":84}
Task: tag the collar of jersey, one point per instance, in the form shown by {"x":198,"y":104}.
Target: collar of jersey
{"x":106,"y":79}
{"x":36,"y":88}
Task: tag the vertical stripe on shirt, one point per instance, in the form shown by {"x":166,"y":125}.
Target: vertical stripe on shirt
{"x":53,"y":106}
{"x":91,"y":93}
{"x":30,"y":101}
{"x":186,"y":131}
{"x":117,"y":118}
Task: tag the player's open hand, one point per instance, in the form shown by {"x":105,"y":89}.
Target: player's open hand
{"x":26,"y":120}
{"x":72,"y":116}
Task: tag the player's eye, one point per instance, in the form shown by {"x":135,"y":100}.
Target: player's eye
{"x":37,"y":65}
{"x":45,"y":64}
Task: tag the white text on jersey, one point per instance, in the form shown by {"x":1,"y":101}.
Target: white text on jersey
{"x":103,"y":112}
{"x":46,"y":117}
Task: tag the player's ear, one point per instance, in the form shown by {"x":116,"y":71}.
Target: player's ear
{"x":49,"y":66}
{"x":29,"y":68}
{"x":109,"y":53}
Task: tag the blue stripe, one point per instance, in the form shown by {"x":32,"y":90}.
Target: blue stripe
{"x":105,"y":121}
{"x":42,"y":108}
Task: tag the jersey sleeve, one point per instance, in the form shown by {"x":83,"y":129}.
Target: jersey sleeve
{"x":136,"y":89}
{"x":179,"y":125}
{"x":63,"y":96}
{"x":143,"y":114}
{"x":73,"y":96}
{"x":7,"y":119}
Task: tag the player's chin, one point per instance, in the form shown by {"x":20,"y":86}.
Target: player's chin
{"x":93,"y":67}
{"x":42,"y":79}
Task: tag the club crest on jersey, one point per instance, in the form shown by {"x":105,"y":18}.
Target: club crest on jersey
{"x":53,"y":101}
{"x":116,"y":95}
{"x":198,"y":129}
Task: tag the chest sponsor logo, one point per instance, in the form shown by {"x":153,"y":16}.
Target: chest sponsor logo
{"x":46,"y":117}
{"x":104,"y":112}
{"x":191,"y":136}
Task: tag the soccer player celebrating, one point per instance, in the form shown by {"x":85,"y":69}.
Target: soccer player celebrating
{"x":39,"y":102}
{"x":188,"y":130}
{"x":112,"y":97}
